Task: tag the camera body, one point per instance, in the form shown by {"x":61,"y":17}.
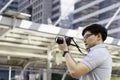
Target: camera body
{"x":60,"y":40}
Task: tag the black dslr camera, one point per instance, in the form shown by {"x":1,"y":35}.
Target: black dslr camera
{"x":59,"y":40}
{"x":68,"y":40}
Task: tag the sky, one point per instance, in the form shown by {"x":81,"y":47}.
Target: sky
{"x":67,"y":6}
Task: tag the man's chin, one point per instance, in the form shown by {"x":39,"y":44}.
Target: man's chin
{"x":87,"y":47}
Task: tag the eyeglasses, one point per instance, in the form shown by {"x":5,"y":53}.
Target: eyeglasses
{"x":87,"y":36}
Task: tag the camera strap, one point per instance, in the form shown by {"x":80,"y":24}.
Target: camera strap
{"x":75,"y":44}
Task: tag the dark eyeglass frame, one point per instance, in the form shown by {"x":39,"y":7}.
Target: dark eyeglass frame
{"x":87,"y":36}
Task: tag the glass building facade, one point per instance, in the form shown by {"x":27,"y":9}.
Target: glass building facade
{"x":96,"y":11}
{"x":42,"y":10}
{"x":12,"y":6}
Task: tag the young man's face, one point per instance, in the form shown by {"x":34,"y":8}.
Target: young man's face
{"x":90,"y":39}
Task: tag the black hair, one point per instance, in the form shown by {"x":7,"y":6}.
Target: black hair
{"x":96,"y":29}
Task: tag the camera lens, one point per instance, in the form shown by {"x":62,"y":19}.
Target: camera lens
{"x":68,"y":40}
{"x":59,"y":40}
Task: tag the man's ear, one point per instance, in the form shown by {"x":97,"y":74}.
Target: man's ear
{"x":99,"y":36}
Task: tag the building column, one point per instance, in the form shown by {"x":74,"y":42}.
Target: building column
{"x":9,"y":78}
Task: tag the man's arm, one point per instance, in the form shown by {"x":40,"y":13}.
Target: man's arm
{"x":76,"y":69}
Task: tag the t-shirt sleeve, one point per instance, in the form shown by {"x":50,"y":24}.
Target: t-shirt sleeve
{"x":94,"y":59}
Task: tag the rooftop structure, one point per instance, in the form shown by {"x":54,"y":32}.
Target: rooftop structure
{"x":31,"y":45}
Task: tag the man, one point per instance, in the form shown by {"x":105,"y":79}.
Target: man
{"x":97,"y":65}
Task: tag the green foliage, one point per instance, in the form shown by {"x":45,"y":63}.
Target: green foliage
{"x":115,"y":78}
{"x":68,"y":77}
{"x":56,"y":76}
{"x":59,"y":77}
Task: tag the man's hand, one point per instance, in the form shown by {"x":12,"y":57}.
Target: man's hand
{"x":63,"y":47}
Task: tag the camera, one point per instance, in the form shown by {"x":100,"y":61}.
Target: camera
{"x":59,"y":40}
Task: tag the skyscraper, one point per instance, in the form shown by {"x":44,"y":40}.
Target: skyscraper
{"x":97,"y":11}
{"x":12,"y":6}
{"x":40,"y":10}
{"x":43,"y":11}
